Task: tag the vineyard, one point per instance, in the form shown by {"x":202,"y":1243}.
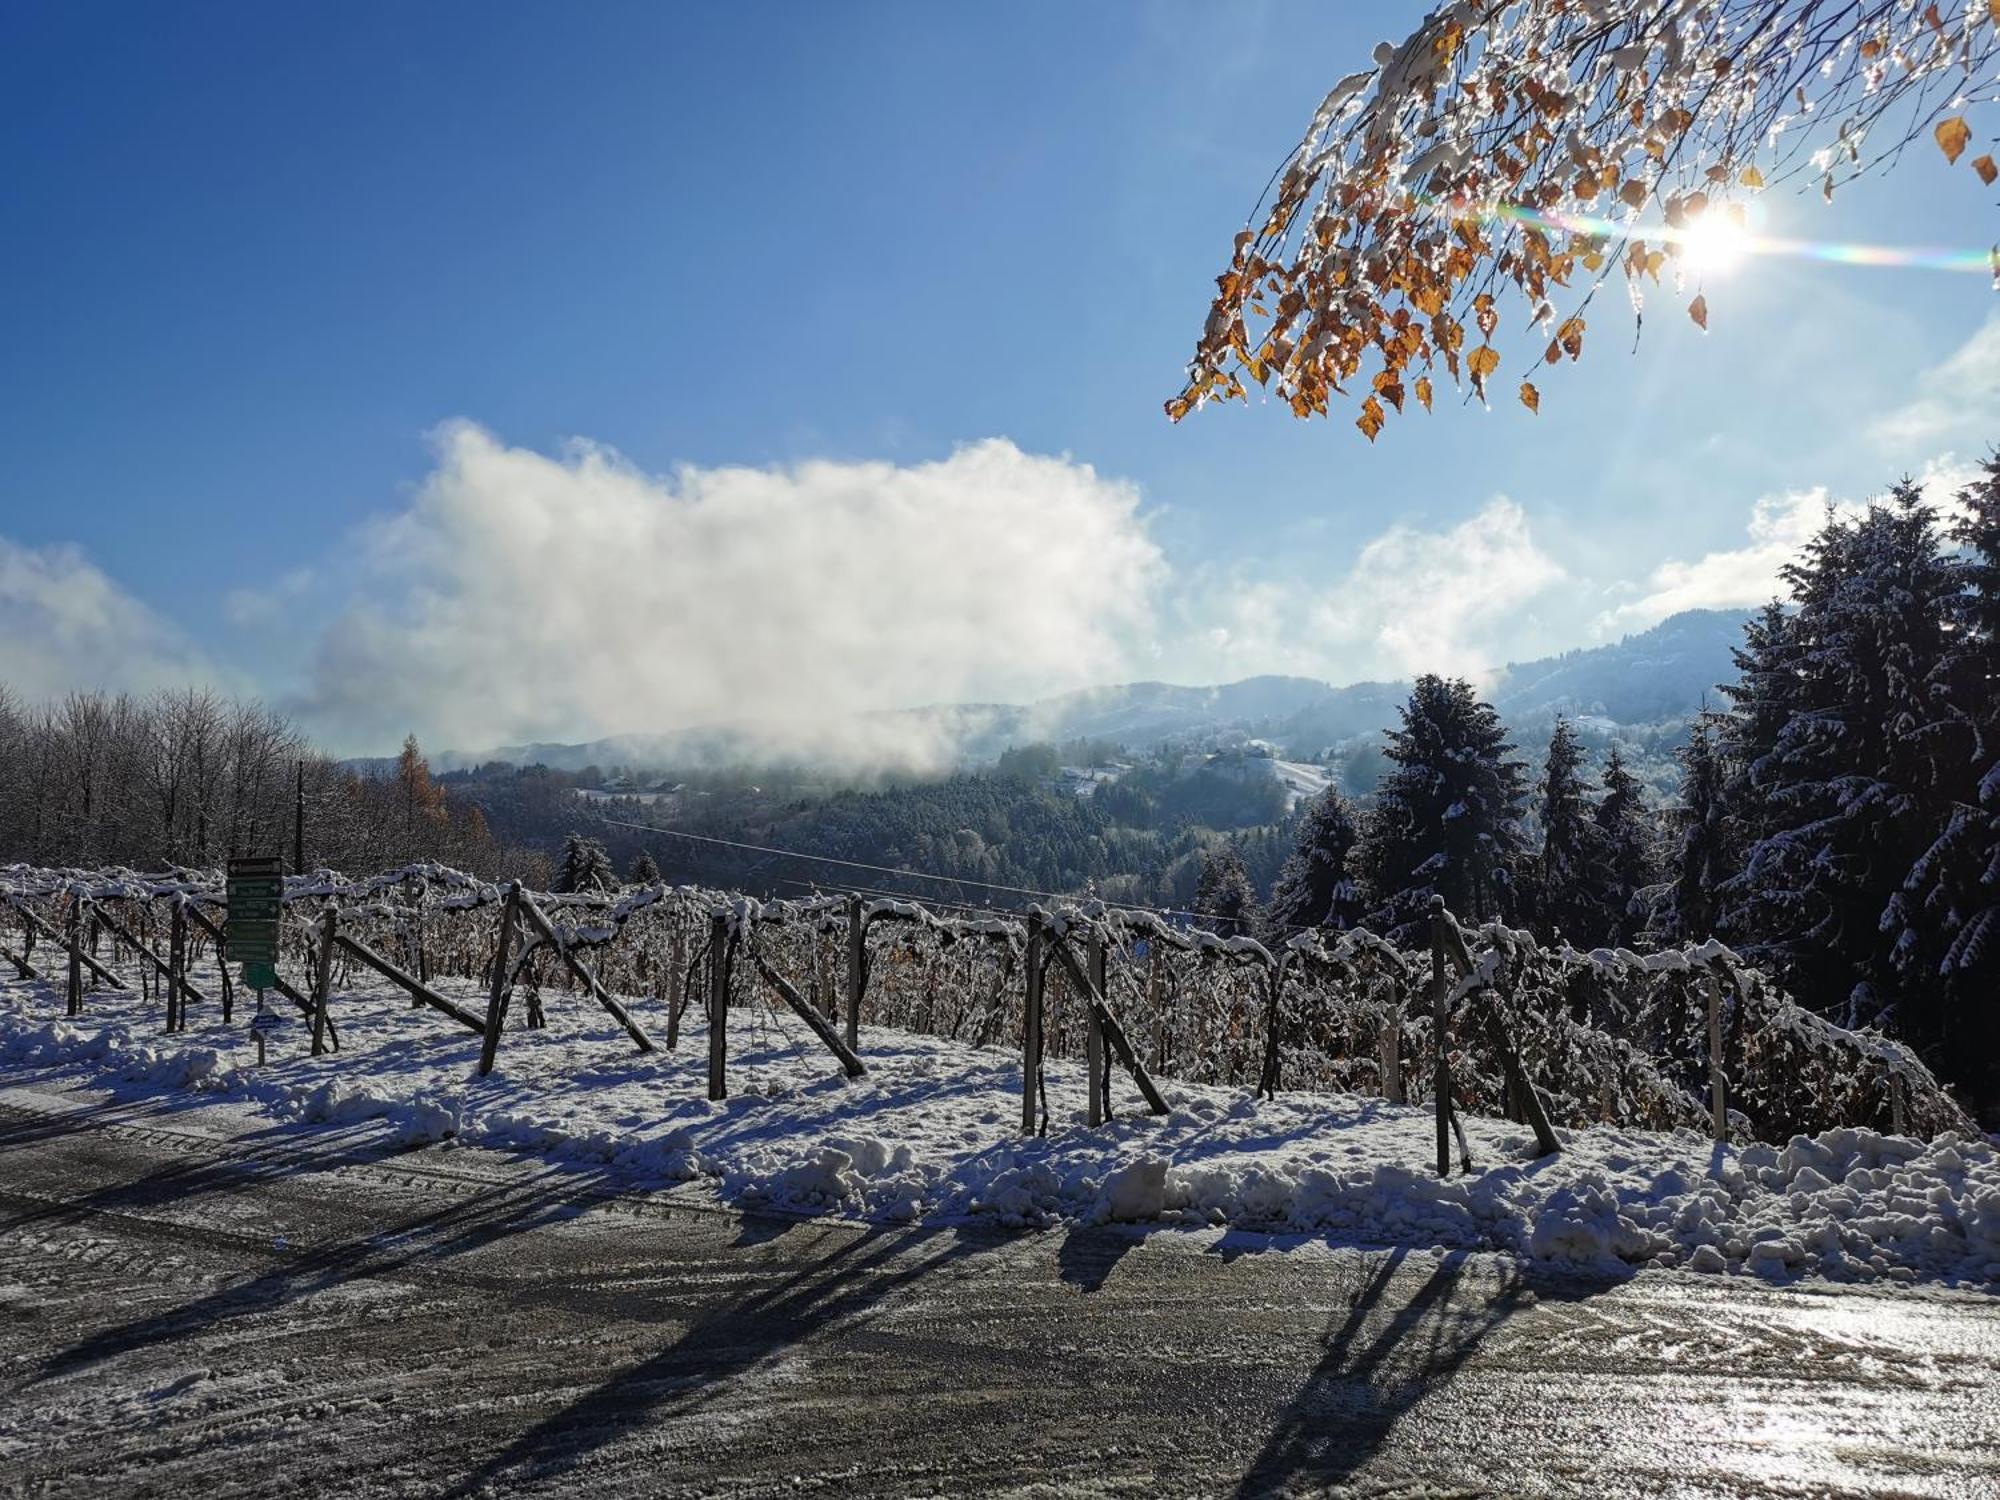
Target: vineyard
{"x":1678,"y":1039}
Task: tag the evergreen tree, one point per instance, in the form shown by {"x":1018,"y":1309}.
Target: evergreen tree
{"x":644,"y":870}
{"x":1225,"y":897}
{"x":1447,"y":819}
{"x":1946,"y":918}
{"x":1846,"y":796}
{"x":1313,"y":888}
{"x":584,"y":866}
{"x":1700,"y":857}
{"x":1570,"y":892}
{"x":1630,"y":844}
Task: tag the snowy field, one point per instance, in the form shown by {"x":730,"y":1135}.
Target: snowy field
{"x":931,"y":1135}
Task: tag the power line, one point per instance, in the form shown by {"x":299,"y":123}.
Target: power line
{"x":959,"y":880}
{"x":852,"y":864}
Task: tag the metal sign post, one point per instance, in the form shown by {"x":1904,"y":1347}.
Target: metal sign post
{"x":256,"y":896}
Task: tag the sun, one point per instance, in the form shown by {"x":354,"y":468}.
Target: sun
{"x":1714,"y":245}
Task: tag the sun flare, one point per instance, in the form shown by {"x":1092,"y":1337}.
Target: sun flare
{"x":1714,"y":245}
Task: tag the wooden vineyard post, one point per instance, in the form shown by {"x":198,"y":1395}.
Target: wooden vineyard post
{"x":806,"y":1011}
{"x":1267,"y":1083}
{"x":329,"y":925}
{"x":176,"y":961}
{"x":1031,"y":1024}
{"x":1718,"y":1088}
{"x":1093,"y":1035}
{"x":496,"y":1001}
{"x":590,"y":982}
{"x":1440,"y":1039}
{"x":677,"y":978}
{"x":1114,"y":1034}
{"x":1896,"y":1125}
{"x":1392,"y":1054}
{"x":857,"y":968}
{"x":75,"y":945}
{"x":718,"y":1006}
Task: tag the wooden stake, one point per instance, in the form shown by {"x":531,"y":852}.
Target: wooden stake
{"x":1031,"y":1023}
{"x":1440,"y":1038}
{"x":541,"y":924}
{"x":36,"y":924}
{"x":857,"y":968}
{"x":1274,"y":986}
{"x":1718,"y":1086}
{"x":75,"y":941}
{"x":307,"y":1009}
{"x":173,"y":967}
{"x":1093,"y":1036}
{"x":502,"y":987}
{"x":410,"y":983}
{"x":809,"y":1013}
{"x":677,"y":978}
{"x":718,"y":1007}
{"x":329,"y":934}
{"x":177,"y":942}
{"x":1113,"y":1032}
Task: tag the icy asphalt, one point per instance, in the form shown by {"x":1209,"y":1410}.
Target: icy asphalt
{"x":192,"y":1306}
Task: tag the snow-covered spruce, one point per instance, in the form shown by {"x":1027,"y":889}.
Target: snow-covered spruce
{"x":931,"y":1134}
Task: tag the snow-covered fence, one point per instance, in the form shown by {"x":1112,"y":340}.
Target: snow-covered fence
{"x":1610,"y":1035}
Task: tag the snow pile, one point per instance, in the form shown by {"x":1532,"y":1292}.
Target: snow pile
{"x":933,"y":1133}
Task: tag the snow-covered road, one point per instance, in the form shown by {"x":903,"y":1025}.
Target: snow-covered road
{"x":195,"y":1300}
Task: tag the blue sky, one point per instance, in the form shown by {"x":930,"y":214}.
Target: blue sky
{"x":258,"y":257}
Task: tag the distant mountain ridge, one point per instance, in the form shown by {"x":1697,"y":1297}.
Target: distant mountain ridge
{"x":1659,"y":675}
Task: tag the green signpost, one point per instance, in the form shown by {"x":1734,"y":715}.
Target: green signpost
{"x":256,"y":896}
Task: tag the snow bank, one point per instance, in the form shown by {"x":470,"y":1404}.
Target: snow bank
{"x":933,"y":1134}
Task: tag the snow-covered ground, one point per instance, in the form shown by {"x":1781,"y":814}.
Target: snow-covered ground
{"x":932,"y":1134}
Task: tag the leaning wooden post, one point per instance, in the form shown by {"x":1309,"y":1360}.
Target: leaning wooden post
{"x":1440,"y":1026}
{"x":1031,"y":1022}
{"x":857,"y":968}
{"x":329,"y":924}
{"x":718,"y":1006}
{"x":496,"y":1001}
{"x":1896,"y":1102}
{"x":1093,"y":1034}
{"x":75,"y":944}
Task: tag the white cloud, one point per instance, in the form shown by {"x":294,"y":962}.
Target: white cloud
{"x":1778,"y":530}
{"x":1412,"y":601}
{"x":1957,"y":402}
{"x":254,"y":608}
{"x":1735,"y":577}
{"x":65,"y":624}
{"x":525,"y":596}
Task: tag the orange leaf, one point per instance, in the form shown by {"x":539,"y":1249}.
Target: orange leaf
{"x":1985,"y":167}
{"x":1424,"y":381}
{"x":1370,"y":420}
{"x":1952,"y":136}
{"x":1698,"y":310}
{"x":1530,"y":397}
{"x":1483,"y":361}
{"x":1754,"y":179}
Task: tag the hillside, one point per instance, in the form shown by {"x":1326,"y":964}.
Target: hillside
{"x":1664,"y":674}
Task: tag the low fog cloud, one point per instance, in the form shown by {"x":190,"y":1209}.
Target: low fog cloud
{"x":1413,"y":601}
{"x":525,"y":596}
{"x":65,"y":624}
